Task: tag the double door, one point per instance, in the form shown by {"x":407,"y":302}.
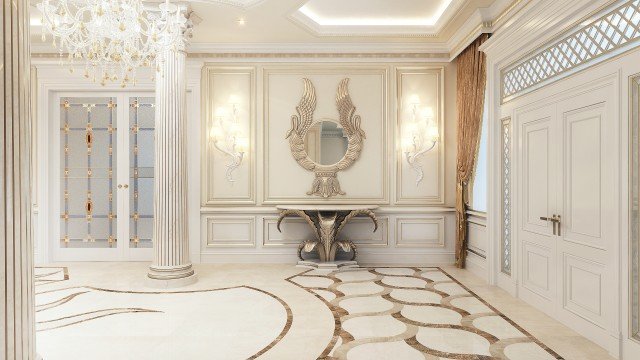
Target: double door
{"x":104,"y":173}
{"x":566,"y":211}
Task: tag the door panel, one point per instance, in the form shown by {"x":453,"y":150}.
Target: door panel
{"x":582,"y":220}
{"x":585,"y":244}
{"x":538,"y":197}
{"x":88,"y":144}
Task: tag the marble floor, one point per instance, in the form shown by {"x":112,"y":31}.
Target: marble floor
{"x":104,"y":311}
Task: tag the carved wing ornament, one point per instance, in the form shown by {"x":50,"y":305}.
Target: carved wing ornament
{"x":326,"y":183}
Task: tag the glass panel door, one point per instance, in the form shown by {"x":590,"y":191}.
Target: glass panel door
{"x":141,"y":158}
{"x":105,"y":198}
{"x":88,"y":141}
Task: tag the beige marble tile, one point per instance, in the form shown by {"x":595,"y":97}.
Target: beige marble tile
{"x":365,"y":288}
{"x":527,"y":351}
{"x":374,"y":326}
{"x":395,"y":271}
{"x":404,"y":282}
{"x":416,"y":296}
{"x":367,"y":304}
{"x":453,"y":341}
{"x":385,"y":351}
{"x":361,"y":275}
{"x":431,"y":315}
{"x":498,"y":327}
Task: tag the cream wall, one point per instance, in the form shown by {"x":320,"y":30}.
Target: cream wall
{"x":237,"y":221}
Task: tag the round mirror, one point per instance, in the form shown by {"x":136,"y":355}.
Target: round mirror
{"x":326,"y":142}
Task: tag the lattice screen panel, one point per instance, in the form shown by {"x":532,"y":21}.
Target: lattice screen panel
{"x":88,"y":195}
{"x":506,"y":196}
{"x":141,"y":158}
{"x":613,"y":30}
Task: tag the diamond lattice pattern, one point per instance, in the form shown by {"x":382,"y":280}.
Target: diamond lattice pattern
{"x":613,"y":30}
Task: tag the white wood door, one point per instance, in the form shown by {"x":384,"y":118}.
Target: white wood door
{"x":586,"y":235}
{"x":566,"y":264}
{"x":537,"y":198}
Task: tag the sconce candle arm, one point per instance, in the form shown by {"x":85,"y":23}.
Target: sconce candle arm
{"x":235,"y":156}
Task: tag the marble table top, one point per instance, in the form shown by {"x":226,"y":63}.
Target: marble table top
{"x":326,"y":207}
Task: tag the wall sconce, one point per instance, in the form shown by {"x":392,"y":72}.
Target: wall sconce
{"x":420,"y":136}
{"x":226,"y":136}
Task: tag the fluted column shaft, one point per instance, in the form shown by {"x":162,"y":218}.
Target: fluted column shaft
{"x":17,"y":337}
{"x":171,"y":265}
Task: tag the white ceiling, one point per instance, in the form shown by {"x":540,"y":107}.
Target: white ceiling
{"x":309,"y":23}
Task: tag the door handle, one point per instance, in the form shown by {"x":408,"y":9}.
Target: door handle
{"x":119,"y":186}
{"x":126,"y":186}
{"x":555,"y":220}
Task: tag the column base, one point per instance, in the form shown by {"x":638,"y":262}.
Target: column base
{"x":166,"y":277}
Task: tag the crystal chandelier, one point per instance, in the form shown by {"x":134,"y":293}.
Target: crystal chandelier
{"x":112,"y":37}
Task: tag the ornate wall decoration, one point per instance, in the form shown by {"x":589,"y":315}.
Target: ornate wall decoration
{"x":505,"y":258}
{"x":326,"y":182}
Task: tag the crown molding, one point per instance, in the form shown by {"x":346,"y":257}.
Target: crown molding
{"x":484,"y":20}
{"x":311,"y":48}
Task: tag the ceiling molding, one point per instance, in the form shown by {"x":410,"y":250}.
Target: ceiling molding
{"x":429,"y":57}
{"x":334,"y":47}
{"x":243,"y":4}
{"x":484,"y":20}
{"x":422,"y":31}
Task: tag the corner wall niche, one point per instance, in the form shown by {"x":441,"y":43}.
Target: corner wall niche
{"x":238,"y":217}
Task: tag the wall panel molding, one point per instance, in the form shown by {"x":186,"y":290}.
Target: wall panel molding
{"x":219,"y":83}
{"x":338,"y":71}
{"x":410,"y":82}
{"x":420,"y":232}
{"x":229,"y":231}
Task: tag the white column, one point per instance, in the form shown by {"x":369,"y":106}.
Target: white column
{"x":17,"y":337}
{"x":171,"y":265}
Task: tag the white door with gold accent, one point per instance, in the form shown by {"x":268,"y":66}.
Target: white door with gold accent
{"x":566,"y":212}
{"x":104,"y":192}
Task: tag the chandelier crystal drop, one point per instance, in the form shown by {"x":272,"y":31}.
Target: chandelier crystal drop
{"x":113,"y":38}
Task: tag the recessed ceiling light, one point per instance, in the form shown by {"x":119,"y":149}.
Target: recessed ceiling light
{"x":310,"y":12}
{"x":241,"y":21}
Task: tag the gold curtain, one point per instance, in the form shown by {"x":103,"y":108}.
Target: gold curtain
{"x":471,"y":81}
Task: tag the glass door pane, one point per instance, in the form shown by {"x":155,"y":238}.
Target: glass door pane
{"x":141,"y":163}
{"x":88,"y":196}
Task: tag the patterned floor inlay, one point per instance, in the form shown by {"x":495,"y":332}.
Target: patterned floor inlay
{"x":414,"y":313}
{"x":159,"y":324}
{"x":49,"y":275}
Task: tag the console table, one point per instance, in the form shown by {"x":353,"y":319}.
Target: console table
{"x":327,"y":221}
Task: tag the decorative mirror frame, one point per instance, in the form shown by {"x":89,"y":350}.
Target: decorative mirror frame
{"x":326,"y":182}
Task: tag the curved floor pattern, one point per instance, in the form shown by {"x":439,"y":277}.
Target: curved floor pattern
{"x":414,"y":313}
{"x":75,"y":311}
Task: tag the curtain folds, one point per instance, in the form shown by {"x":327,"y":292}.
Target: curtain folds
{"x":471,"y":82}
